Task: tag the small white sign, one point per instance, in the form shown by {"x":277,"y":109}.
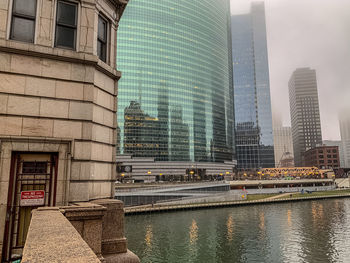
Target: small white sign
{"x":32,"y":198}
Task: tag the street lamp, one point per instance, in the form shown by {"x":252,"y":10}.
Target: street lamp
{"x":149,"y":173}
{"x":191,"y":173}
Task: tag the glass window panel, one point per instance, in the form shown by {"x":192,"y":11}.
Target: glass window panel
{"x":66,"y":13}
{"x":22,"y":29}
{"x":65,"y":37}
{"x":34,"y":167}
{"x":102,"y":29}
{"x":25,"y":7}
{"x":101,"y":50}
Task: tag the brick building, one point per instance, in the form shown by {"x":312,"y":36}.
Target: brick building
{"x":322,"y":157}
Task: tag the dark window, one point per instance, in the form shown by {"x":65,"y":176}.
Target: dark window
{"x":23,"y":20}
{"x":66,"y":24}
{"x":335,"y":156}
{"x":102,"y":39}
{"x":34,"y":167}
{"x":320,"y":156}
{"x":334,"y":150}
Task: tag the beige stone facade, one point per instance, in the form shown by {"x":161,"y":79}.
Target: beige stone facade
{"x":60,"y":102}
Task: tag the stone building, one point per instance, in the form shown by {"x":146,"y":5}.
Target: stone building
{"x":58,"y":89}
{"x":283,"y":146}
{"x":304,"y":112}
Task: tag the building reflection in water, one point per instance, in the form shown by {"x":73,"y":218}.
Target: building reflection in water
{"x":229,"y":225}
{"x":317,"y":231}
{"x":317,"y":213}
{"x":149,"y":236}
{"x":289,"y":217}
{"x":262,"y":235}
{"x":193,"y":232}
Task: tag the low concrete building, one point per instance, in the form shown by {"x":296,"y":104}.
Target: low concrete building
{"x":140,"y":169}
{"x":58,"y":89}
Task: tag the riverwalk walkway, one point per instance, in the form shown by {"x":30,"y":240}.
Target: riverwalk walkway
{"x":169,"y":208}
{"x":277,"y":196}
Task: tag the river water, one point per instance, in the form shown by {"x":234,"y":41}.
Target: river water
{"x":309,"y":231}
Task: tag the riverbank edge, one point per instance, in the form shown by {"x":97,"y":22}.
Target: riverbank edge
{"x":172,"y":208}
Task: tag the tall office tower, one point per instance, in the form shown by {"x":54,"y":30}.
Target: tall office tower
{"x":175,"y":96}
{"x":252,"y":103}
{"x":340,"y":149}
{"x":283,"y":144}
{"x":344,"y":122}
{"x":304,"y":112}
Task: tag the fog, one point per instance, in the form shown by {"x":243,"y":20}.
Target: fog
{"x":308,"y":33}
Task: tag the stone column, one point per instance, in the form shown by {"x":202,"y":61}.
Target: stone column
{"x":114,"y":243}
{"x":87,"y":220}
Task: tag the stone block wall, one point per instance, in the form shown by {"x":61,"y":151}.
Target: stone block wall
{"x":48,"y":92}
{"x":55,"y":100}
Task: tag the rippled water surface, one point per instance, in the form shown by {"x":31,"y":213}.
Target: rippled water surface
{"x":312,"y":231}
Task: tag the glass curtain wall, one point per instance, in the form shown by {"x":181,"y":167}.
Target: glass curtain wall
{"x":253,"y":117}
{"x":175,"y":98}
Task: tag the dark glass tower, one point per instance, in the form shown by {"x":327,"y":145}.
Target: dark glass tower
{"x":175,"y":96}
{"x":252,"y":103}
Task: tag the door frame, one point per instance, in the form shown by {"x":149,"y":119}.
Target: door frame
{"x":11,"y":198}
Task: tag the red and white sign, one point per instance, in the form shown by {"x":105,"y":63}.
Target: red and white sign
{"x":32,"y":198}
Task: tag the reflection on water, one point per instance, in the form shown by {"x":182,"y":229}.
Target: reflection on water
{"x":148,"y":236}
{"x":289,"y":218}
{"x":193,"y":232}
{"x":229,"y":225}
{"x":315,"y":231}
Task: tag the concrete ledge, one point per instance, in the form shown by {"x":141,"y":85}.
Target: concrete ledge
{"x":170,"y":208}
{"x":52,"y":238}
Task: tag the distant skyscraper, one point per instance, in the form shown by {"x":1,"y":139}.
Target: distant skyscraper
{"x":344,"y":122}
{"x":304,"y":111}
{"x":253,"y":118}
{"x":283,"y":144}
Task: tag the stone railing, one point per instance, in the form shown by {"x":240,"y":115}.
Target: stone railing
{"x":83,"y":232}
{"x":51,"y":238}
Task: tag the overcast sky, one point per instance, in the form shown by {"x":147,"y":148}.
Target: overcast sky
{"x":308,"y":33}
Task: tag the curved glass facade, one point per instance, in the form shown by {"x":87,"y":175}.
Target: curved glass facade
{"x":175,"y":98}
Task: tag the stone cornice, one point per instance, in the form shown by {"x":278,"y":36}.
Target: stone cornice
{"x":34,"y":50}
{"x":120,"y":7}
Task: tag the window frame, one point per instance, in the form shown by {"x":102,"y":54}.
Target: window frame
{"x":58,"y":24}
{"x":106,"y":41}
{"x":22,"y":16}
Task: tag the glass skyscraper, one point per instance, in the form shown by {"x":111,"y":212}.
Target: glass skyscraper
{"x":252,"y":103}
{"x":175,"y":96}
